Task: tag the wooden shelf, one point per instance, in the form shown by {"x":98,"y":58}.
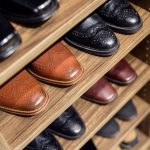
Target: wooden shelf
{"x":35,"y":41}
{"x":26,"y":129}
{"x":19,"y":131}
{"x":96,"y":116}
{"x":125,"y":127}
{"x":144,"y":142}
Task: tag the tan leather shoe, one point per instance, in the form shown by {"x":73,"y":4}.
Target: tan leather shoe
{"x":57,"y":66}
{"x":23,"y":96}
{"x":131,"y":140}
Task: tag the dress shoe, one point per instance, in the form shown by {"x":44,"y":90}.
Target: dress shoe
{"x":23,"y":96}
{"x":68,"y":125}
{"x":122,"y":73}
{"x":89,"y":146}
{"x":93,"y":36}
{"x":130,"y":141}
{"x":44,"y":141}
{"x":110,"y":129}
{"x":9,"y":38}
{"x":57,"y":66}
{"x":128,"y":112}
{"x":101,"y":92}
{"x":121,"y":16}
{"x":28,"y":11}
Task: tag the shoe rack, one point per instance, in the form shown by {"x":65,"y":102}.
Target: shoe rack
{"x":16,"y":132}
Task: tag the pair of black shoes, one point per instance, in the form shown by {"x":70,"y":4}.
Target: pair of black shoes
{"x":112,"y":128}
{"x":94,"y":35}
{"x":24,"y":12}
{"x":68,"y":125}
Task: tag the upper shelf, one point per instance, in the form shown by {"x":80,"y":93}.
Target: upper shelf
{"x":36,"y":40}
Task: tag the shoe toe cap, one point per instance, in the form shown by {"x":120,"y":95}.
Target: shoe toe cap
{"x":106,"y":40}
{"x":75,"y":127}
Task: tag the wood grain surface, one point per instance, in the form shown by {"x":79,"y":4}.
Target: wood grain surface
{"x":143,"y":109}
{"x":95,"y":116}
{"x":19,"y":131}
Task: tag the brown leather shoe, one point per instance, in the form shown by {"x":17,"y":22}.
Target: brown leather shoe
{"x":122,"y":73}
{"x":57,"y":66}
{"x":101,"y":92}
{"x":23,"y":96}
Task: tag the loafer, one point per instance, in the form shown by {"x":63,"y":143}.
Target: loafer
{"x":128,"y":112}
{"x":110,"y":129}
{"x":121,"y":16}
{"x":68,"y":125}
{"x":44,"y":141}
{"x":9,"y":38}
{"x":28,"y":12}
{"x":130,"y":141}
{"x":89,"y":146}
{"x":93,"y":36}
{"x":122,"y":73}
{"x":101,"y":92}
{"x":23,"y":96}
{"x":57,"y":66}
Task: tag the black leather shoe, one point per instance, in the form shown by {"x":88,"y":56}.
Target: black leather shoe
{"x":128,"y":112}
{"x":28,"y":11}
{"x":9,"y":38}
{"x":89,"y":146}
{"x":110,"y":129}
{"x":45,"y":141}
{"x":68,"y":125}
{"x":93,"y":36}
{"x":121,"y":16}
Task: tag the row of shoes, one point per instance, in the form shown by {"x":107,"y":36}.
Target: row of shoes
{"x":69,"y":125}
{"x":23,"y":95}
{"x":28,"y":13}
{"x":111,"y":129}
{"x":130,"y":141}
{"x":93,"y":35}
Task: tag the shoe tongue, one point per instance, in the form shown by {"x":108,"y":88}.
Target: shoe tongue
{"x":89,"y":22}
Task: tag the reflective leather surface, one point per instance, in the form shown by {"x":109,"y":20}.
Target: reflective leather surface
{"x":101,"y":92}
{"x":57,"y":66}
{"x":23,"y":95}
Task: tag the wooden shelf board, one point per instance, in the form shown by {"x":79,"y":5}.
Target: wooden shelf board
{"x":36,"y":40}
{"x":26,"y":129}
{"x":125,"y":127}
{"x":96,"y":116}
{"x":144,"y":142}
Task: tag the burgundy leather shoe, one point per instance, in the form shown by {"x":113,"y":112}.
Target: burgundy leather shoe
{"x":122,"y":73}
{"x":101,"y":92}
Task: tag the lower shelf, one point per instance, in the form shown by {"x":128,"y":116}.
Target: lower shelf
{"x":95,"y":116}
{"x":144,"y":142}
{"x":125,"y":127}
{"x":19,"y":131}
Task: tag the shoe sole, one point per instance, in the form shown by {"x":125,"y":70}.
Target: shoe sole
{"x":56,"y":82}
{"x":66,"y":136}
{"x":98,"y":102}
{"x":93,"y":51}
{"x":125,"y":30}
{"x":27,"y":113}
{"x":121,"y":83}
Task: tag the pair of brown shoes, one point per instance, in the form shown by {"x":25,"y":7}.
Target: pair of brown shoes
{"x":24,"y":96}
{"x":103,"y":92}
